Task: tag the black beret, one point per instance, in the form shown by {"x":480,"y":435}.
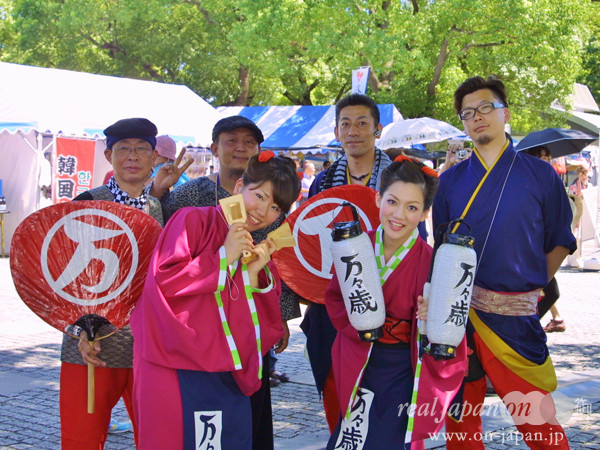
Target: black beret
{"x":136,"y":128}
{"x":233,"y":122}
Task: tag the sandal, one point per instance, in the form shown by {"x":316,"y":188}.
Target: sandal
{"x":283,"y":377}
{"x":555,"y":326}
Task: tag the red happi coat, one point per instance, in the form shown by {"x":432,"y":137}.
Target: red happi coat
{"x":439,"y":381}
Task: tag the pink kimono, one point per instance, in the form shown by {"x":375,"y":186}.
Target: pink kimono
{"x":178,"y":325}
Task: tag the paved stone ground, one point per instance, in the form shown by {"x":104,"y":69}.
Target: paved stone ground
{"x":29,"y":374}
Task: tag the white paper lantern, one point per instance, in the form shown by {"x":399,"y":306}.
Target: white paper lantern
{"x":452,"y":282}
{"x":356,"y":269}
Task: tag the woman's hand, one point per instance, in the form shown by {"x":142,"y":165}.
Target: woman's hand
{"x":89,"y":350}
{"x":423,"y":306}
{"x":283,"y":342}
{"x":238,"y":240}
{"x":263,"y":251}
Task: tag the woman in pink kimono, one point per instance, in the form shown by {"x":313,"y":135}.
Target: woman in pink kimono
{"x":205,"y":321}
{"x":374,"y":381}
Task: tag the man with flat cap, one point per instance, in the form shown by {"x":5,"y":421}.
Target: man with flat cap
{"x":130,"y":148}
{"x":235,"y":140}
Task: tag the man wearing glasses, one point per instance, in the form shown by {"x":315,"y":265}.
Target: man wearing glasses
{"x":131,"y":151}
{"x":518,"y":213}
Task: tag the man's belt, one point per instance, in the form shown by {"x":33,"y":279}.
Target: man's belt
{"x":505,"y":303}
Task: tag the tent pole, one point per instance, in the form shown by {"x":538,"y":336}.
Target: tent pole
{"x":39,"y":153}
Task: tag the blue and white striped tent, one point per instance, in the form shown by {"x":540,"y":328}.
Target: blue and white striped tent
{"x":299,"y":128}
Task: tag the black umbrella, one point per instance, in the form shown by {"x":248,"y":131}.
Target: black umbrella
{"x":560,"y":141}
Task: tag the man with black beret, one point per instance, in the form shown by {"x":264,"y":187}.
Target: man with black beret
{"x":235,"y":140}
{"x":130,"y":148}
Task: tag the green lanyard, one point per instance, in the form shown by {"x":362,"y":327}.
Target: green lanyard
{"x":385,"y":270}
{"x":254,"y":314}
{"x":235,"y":356}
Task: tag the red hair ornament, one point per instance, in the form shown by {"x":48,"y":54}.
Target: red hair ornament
{"x":429,"y":171}
{"x":265,"y":156}
{"x":401,"y":158}
{"x":425,"y":169}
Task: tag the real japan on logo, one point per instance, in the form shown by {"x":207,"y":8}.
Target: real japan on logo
{"x":95,"y":274}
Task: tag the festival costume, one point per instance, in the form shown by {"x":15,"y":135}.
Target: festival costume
{"x":389,"y":363}
{"x":205,"y":192}
{"x":316,"y":325}
{"x":551,"y":291}
{"x":188,"y":348}
{"x":80,"y":430}
{"x":526,"y":201}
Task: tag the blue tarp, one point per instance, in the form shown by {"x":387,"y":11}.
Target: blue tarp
{"x":299,"y":127}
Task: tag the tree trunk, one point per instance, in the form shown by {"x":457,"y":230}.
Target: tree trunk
{"x":243,"y":93}
{"x":437,"y":73}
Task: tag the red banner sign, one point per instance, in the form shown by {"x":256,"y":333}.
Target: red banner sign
{"x":73,"y":168}
{"x":79,"y":258}
{"x":307,"y":268}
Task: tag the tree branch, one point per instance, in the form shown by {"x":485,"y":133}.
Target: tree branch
{"x":383,"y":25}
{"x":373,"y":80}
{"x":153,"y":73}
{"x":203,"y":11}
{"x":415,"y":4}
{"x":244,"y":78}
{"x":439,"y":65}
{"x":291,"y":98}
{"x":470,"y":45}
{"x":342,"y":91}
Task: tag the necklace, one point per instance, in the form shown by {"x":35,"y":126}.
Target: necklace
{"x":362,"y":177}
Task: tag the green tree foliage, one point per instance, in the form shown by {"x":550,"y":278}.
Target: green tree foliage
{"x":303,"y":51}
{"x":591,"y":56}
{"x":590,"y":75}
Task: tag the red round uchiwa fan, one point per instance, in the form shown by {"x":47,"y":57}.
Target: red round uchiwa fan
{"x":307,"y":268}
{"x":81,"y":266}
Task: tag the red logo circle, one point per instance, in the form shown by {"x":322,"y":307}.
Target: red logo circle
{"x":79,"y":258}
{"x":307,"y":268}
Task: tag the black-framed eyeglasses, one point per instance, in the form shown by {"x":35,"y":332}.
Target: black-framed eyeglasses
{"x":484,"y":108}
{"x":123,"y":151}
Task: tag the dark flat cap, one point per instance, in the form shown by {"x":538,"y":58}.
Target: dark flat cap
{"x":233,"y":122}
{"x":136,"y":128}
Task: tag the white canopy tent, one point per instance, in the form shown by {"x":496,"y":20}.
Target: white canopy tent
{"x":37,"y":105}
